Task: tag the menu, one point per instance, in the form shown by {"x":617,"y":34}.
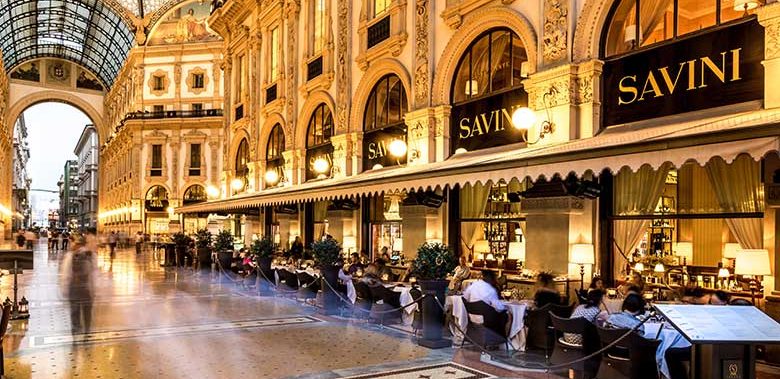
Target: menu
{"x":718,"y":324}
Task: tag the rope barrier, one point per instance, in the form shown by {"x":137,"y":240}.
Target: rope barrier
{"x":349,"y":302}
{"x":549,"y":368}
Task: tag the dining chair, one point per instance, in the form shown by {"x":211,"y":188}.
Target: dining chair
{"x":642,"y":355}
{"x":489,"y":327}
{"x":565,"y":351}
{"x":385,"y":300}
{"x":308,"y":285}
{"x":615,"y":361}
{"x":363,"y":300}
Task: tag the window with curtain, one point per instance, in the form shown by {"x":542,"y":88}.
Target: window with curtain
{"x":492,"y":64}
{"x":386,"y":104}
{"x":319,"y":24}
{"x":661,"y":20}
{"x":274,"y":58}
{"x":320,"y":127}
{"x":242,"y":160}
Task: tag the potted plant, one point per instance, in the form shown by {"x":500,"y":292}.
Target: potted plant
{"x":223,"y":245}
{"x":203,"y":240}
{"x":181,"y":241}
{"x":327,"y":254}
{"x":434,"y":261}
{"x":262,"y":250}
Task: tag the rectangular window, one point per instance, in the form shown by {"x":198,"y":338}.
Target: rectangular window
{"x":197,"y":81}
{"x":194,"y":159}
{"x":157,"y":83}
{"x":197,"y":107}
{"x":239,"y":79}
{"x":378,"y":32}
{"x":319,"y":27}
{"x":156,"y":160}
{"x":158,"y":108}
{"x":380,"y":6}
{"x":274,"y":54}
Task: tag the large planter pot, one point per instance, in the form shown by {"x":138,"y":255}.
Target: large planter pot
{"x":330,"y":282}
{"x":264,"y":286}
{"x":433,"y":314}
{"x":180,"y":253}
{"x":204,"y":259}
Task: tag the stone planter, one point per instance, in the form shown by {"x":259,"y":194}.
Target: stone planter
{"x":433,"y":314}
{"x":330,"y":282}
{"x":265,"y":286}
{"x":204,"y":259}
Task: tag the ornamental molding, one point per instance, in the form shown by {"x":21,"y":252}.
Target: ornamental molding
{"x":456,"y":11}
{"x":343,"y":72}
{"x":165,"y":82}
{"x":293,"y":6}
{"x":555,"y":34}
{"x":191,"y":80}
{"x":378,"y":70}
{"x":559,"y":205}
{"x":421,"y":52}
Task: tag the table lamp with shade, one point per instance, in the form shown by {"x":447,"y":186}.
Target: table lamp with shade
{"x":482,"y":247}
{"x":730,"y":252}
{"x":752,"y":263}
{"x":517,"y":251}
{"x":684,"y":250}
{"x":582,"y":254}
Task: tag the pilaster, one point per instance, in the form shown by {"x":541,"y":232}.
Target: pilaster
{"x":293,"y":167}
{"x":769,"y":18}
{"x":344,"y":159}
{"x":427,"y":138}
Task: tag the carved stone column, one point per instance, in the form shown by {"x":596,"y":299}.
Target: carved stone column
{"x":216,"y":76}
{"x":427,"y":135}
{"x":769,"y":18}
{"x":343,"y":160}
{"x":213,"y":169}
{"x":253,"y":177}
{"x":291,"y":11}
{"x":255,"y":43}
{"x":175,"y":175}
{"x":587,"y":95}
{"x":550,"y":95}
{"x":177,"y":84}
{"x":343,"y":65}
{"x":555,"y":33}
{"x":294,"y":166}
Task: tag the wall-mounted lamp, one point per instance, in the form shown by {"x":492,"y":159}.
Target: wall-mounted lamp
{"x":397,"y":148}
{"x":212,"y":192}
{"x":745,"y":5}
{"x":524,"y":119}
{"x":321,"y":166}
{"x":237,"y":184}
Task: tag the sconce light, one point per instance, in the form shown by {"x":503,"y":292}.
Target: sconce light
{"x":212,"y":192}
{"x":321,"y":166}
{"x":271,"y":177}
{"x":745,"y":5}
{"x":524,"y":119}
{"x":237,"y":184}
{"x":397,"y":148}
{"x":471,"y":88}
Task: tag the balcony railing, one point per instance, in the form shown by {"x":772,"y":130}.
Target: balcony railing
{"x":239,"y":112}
{"x":270,"y":94}
{"x":145,"y":115}
{"x":378,"y":32}
{"x":314,"y":68}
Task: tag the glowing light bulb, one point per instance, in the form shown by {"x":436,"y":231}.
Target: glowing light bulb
{"x":271,"y":177}
{"x":321,"y":165}
{"x":397,"y":148}
{"x":523,"y":118}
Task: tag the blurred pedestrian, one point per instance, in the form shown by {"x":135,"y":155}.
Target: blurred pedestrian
{"x":29,"y":237}
{"x":78,"y":276}
{"x":112,"y":240}
{"x":20,"y":239}
{"x":139,"y":241}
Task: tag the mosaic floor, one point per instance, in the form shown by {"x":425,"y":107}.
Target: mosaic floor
{"x":155,"y":322}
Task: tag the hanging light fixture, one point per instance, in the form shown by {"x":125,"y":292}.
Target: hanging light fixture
{"x":639,"y":267}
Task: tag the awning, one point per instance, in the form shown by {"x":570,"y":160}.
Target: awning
{"x":755,"y":133}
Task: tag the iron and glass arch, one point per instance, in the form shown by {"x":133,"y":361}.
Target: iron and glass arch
{"x":383,"y":123}
{"x":274,"y":161}
{"x":319,"y":150}
{"x":87,"y":32}
{"x":657,"y":21}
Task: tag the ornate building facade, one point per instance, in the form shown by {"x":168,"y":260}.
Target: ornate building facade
{"x":21,"y":179}
{"x":164,"y":115}
{"x":86,"y":152}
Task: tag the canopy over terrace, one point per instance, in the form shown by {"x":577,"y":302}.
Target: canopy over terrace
{"x":753,"y":133}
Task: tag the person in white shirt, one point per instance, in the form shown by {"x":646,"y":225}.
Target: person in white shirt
{"x":486,"y":290}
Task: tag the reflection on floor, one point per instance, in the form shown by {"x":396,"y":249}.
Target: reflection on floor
{"x":156,"y":322}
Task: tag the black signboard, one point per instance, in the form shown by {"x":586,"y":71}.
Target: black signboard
{"x":376,"y":144}
{"x":156,"y":205}
{"x":486,"y":122}
{"x":713,"y":69}
{"x":312,"y":154}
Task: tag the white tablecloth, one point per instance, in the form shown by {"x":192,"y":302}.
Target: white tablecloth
{"x":669,"y":337}
{"x":407,"y":316}
{"x":517,"y":332}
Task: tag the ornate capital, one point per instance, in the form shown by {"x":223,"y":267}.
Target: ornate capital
{"x":555,"y":35}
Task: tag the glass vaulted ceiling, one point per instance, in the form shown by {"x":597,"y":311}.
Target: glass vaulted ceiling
{"x":87,"y":32}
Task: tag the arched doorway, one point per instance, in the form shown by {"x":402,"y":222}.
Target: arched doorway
{"x":156,"y":210}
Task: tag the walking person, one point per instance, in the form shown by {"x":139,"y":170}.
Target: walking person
{"x":20,"y":239}
{"x":78,"y":276}
{"x":65,"y":238}
{"x":61,"y":245}
{"x":54,"y":238}
{"x":29,"y":237}
{"x":112,"y":240}
{"x":139,"y":241}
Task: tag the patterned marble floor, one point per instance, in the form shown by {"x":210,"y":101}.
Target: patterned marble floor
{"x":153,"y":322}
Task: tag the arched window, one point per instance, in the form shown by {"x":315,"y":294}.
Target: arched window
{"x":661,"y":20}
{"x":274,"y":161}
{"x":320,"y":127}
{"x":275,"y":143}
{"x":242,"y":163}
{"x":194,"y":194}
{"x":386,"y":105}
{"x":319,"y":150}
{"x":493,"y":63}
{"x":383,"y":123}
{"x":157,"y":199}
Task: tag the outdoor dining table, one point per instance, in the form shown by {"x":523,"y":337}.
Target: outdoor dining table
{"x":407,"y":316}
{"x":669,"y":337}
{"x":460,"y":317}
